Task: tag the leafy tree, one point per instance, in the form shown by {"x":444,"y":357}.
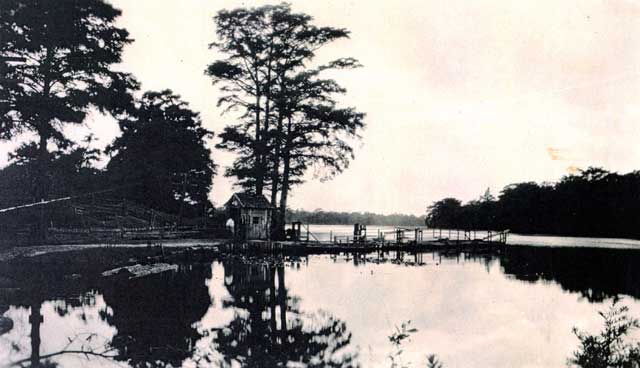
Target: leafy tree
{"x":593,"y":202}
{"x":289,"y":121}
{"x":71,"y":174}
{"x":249,"y":38}
{"x":162,"y":151}
{"x":444,"y":213}
{"x":521,"y":206}
{"x":487,"y":196}
{"x":317,"y":133}
{"x":609,"y":348}
{"x":68,"y":50}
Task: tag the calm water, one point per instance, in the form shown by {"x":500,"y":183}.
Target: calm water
{"x":326,"y":232}
{"x":511,"y":310}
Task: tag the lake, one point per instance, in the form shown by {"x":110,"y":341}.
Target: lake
{"x":325,"y":232}
{"x":514,"y":309}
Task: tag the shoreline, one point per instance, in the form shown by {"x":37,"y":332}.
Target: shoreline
{"x":226,"y":246}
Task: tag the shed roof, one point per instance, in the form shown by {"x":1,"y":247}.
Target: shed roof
{"x":248,"y":200}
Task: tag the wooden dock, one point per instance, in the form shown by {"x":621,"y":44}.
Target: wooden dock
{"x":495,"y":241}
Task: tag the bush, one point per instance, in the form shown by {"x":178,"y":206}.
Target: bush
{"x":609,"y":348}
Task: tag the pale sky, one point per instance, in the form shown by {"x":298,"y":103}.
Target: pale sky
{"x":459,"y":95}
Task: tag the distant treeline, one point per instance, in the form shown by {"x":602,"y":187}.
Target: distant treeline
{"x":321,"y":217}
{"x":594,"y":202}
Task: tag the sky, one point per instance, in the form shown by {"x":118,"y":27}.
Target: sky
{"x":460,"y":96}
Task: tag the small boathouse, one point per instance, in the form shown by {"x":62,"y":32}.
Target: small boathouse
{"x":251,"y":216}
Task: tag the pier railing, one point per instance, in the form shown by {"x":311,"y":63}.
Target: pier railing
{"x":406,"y":235}
{"x":397,"y":239}
{"x":310,"y":234}
{"x":458,"y":235}
{"x":501,"y":236}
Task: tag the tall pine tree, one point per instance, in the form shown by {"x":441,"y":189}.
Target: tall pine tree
{"x":67,"y":52}
{"x":288,"y":119}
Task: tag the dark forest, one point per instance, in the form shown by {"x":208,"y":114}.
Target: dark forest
{"x":593,"y":202}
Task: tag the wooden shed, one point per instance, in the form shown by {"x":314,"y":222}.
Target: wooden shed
{"x":251,"y":215}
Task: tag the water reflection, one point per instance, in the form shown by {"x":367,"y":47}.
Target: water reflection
{"x":47,"y":332}
{"x":154,"y":316}
{"x":269,"y":330}
{"x":597,"y":274}
{"x":153,"y":321}
{"x":157,"y":320}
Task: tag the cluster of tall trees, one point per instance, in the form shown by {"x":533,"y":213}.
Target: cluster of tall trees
{"x":349,"y":218}
{"x":57,"y":65}
{"x":594,"y":202}
{"x":288,"y":119}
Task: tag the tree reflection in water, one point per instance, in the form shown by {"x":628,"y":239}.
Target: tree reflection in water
{"x":268,"y":328}
{"x":597,"y":274}
{"x":155,"y":315}
{"x":84,"y":308}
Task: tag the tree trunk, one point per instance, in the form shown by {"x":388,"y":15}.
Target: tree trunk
{"x":284,"y":193}
{"x":275,"y":178}
{"x":278,"y":223}
{"x":42,"y":184}
{"x":41,"y":191}
{"x":285,"y":176}
{"x":258,"y":147}
{"x":275,"y":174}
{"x":262,"y":165}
